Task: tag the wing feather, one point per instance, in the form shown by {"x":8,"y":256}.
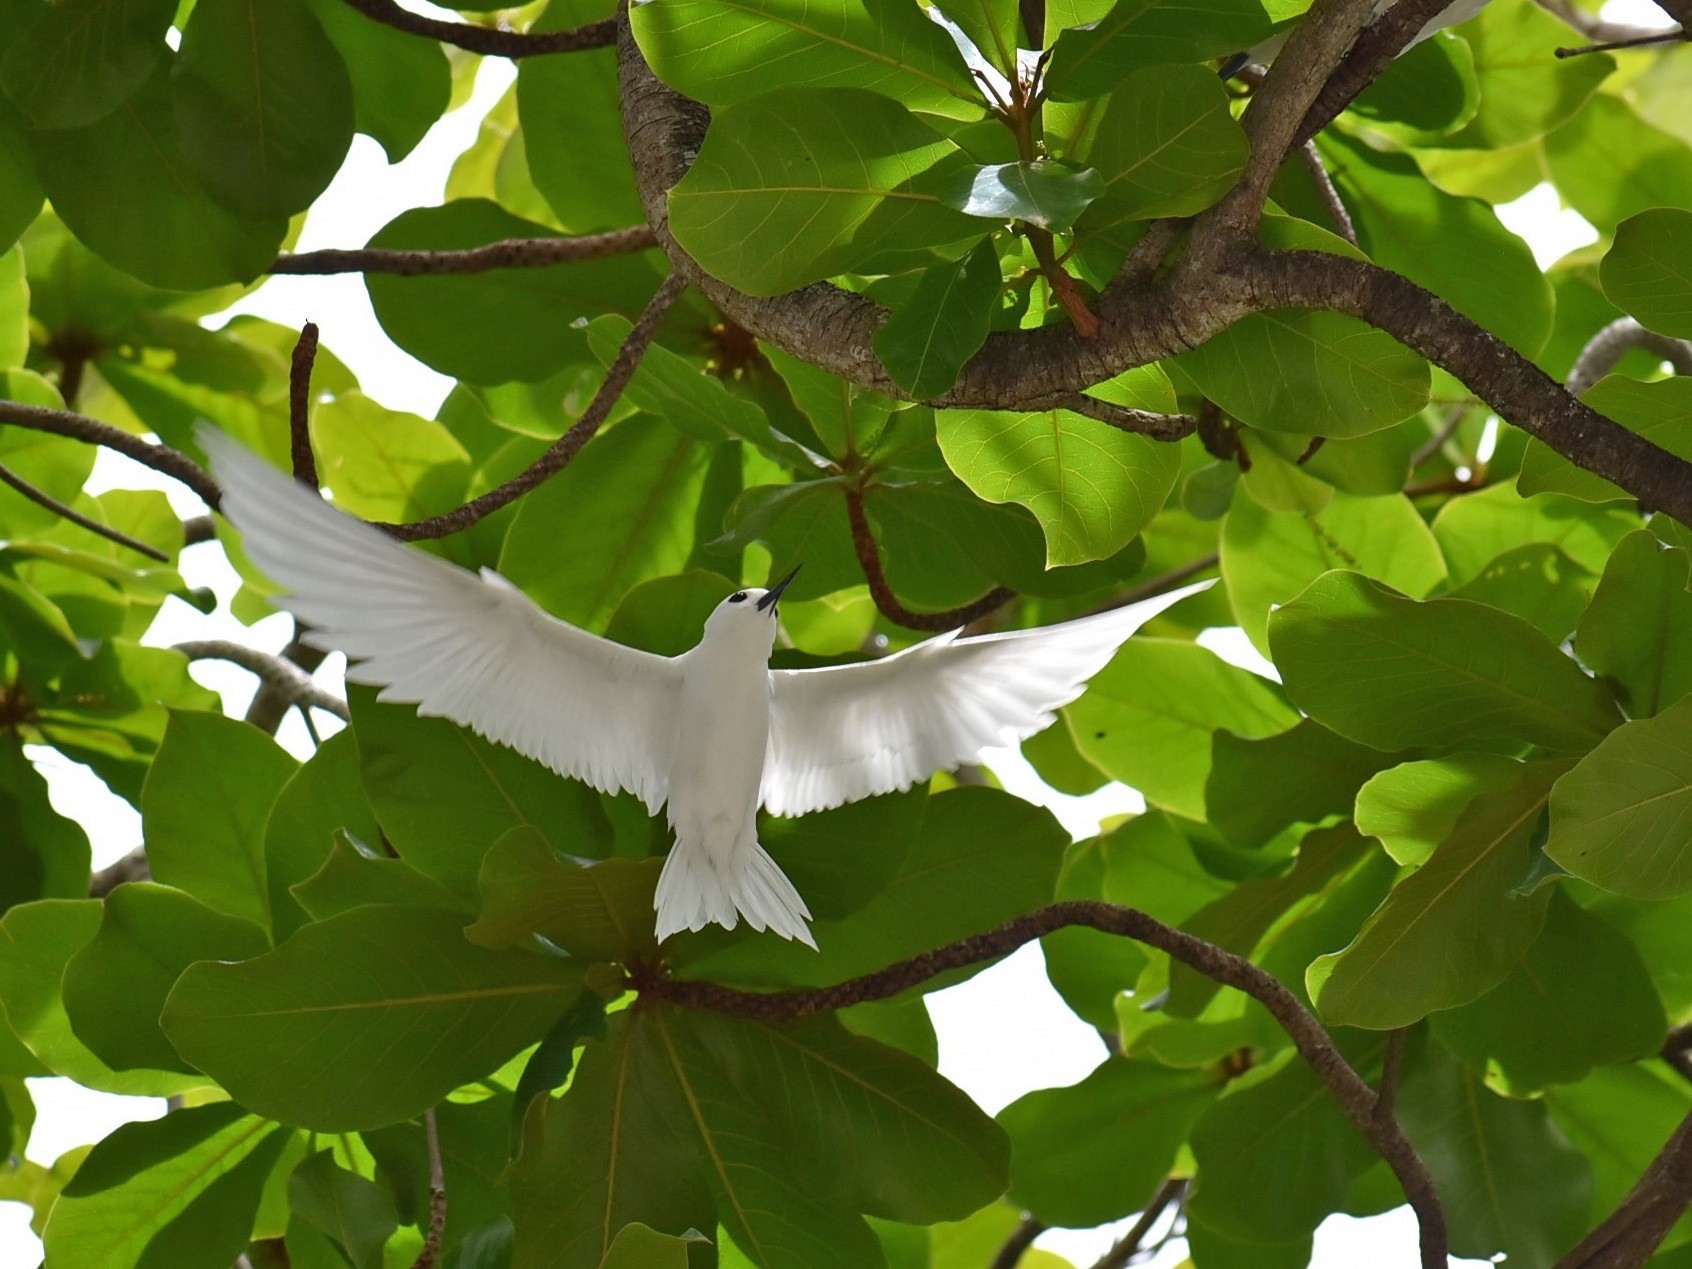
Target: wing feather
{"x":472,"y":649}
{"x":853,"y":731}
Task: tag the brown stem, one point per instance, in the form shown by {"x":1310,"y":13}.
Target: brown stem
{"x":1381,"y":41}
{"x":273,"y":700}
{"x":491,"y":41}
{"x":1612,"y":342}
{"x":1630,"y":1235}
{"x":566,"y":447}
{"x":1610,"y":46}
{"x":66,"y":512}
{"x":299,"y":406}
{"x":437,"y":1196}
{"x":275,"y":672}
{"x":1392,"y":1070}
{"x":1332,"y":203}
{"x":507,"y":253}
{"x":1355,"y":1098}
{"x":1160,"y":427}
{"x":869,"y":558}
{"x":1124,"y":1249}
{"x":160,"y":458}
{"x":197,"y":529}
{"x":132,"y":867}
{"x":1020,"y":1240}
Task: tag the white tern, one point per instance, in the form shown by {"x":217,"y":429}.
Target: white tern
{"x":714,"y":732}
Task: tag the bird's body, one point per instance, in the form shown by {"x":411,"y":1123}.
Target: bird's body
{"x":713,"y":734}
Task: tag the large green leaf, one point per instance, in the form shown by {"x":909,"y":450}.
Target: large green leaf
{"x":382,"y":464}
{"x":204,"y":807}
{"x":1148,"y":718}
{"x":1092,"y":59}
{"x":1091,"y":486}
{"x":1441,"y":672}
{"x":403,"y":83}
{"x":1609,"y":164}
{"x":71,"y":63}
{"x":1453,"y":929}
{"x":324,"y":798}
{"x":722,"y":52}
{"x":785,"y":187}
{"x":264,"y":104}
{"x":1618,"y":819}
{"x":1303,"y":775}
{"x":328,"y":1031}
{"x":1412,"y":807}
{"x":927,"y":339}
{"x":353,"y":1210}
{"x":1618,"y":1117}
{"x":43,"y":854}
{"x":1648,"y":270}
{"x":1637,"y":632}
{"x":1044,"y":193}
{"x":20,"y":191}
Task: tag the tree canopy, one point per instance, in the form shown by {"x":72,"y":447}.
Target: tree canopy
{"x":990,"y":314}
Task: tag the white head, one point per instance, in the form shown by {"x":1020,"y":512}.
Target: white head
{"x":747,"y":616}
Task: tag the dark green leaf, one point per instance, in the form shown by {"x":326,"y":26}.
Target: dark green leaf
{"x":325,"y":797}
{"x":1043,"y":193}
{"x":1536,"y":582}
{"x":1090,"y":60}
{"x":1259,"y":787}
{"x":600,"y":911}
{"x":926,"y":340}
{"x":1426,"y":90}
{"x":1618,"y":1117}
{"x":20,"y":191}
{"x":549,"y":1065}
{"x":43,"y":854}
{"x":1637,"y":632}
{"x":71,"y":63}
{"x":1648,"y":270}
{"x":355,"y":1212}
{"x":354,"y":875}
{"x":402,"y":84}
{"x":1609,"y":164}
{"x":638,"y":1246}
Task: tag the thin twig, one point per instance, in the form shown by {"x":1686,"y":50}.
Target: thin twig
{"x":66,"y":512}
{"x":1592,"y":26}
{"x":1610,"y":46}
{"x":275,"y":672}
{"x":132,"y":867}
{"x":507,"y":253}
{"x":1020,"y":1240}
{"x":273,"y":700}
{"x":1392,"y":1070}
{"x":1124,"y":1248}
{"x":160,"y":458}
{"x":491,"y":41}
{"x":437,"y":1196}
{"x":299,"y":406}
{"x":566,"y":447}
{"x":1614,"y":341}
{"x":889,"y":605}
{"x":1428,"y":448}
{"x":1160,"y":427}
{"x":1332,"y":203}
{"x":1162,"y":583}
{"x":1355,"y":1098}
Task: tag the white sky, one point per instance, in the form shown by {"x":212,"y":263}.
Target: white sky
{"x":1003,"y":1033}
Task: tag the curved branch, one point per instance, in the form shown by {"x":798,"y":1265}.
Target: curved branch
{"x":1632,"y":1233}
{"x":566,"y":447}
{"x":507,"y":253}
{"x":1380,"y":42}
{"x":869,"y":559}
{"x":299,"y":406}
{"x":1160,"y":427}
{"x":161,"y":458}
{"x":1020,"y":1240}
{"x":1123,"y":1251}
{"x":1356,"y":1099}
{"x":491,"y":41}
{"x":66,"y":512}
{"x":1614,"y":341}
{"x":274,"y":672}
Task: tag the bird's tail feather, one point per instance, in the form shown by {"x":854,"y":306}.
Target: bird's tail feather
{"x":695,"y":889}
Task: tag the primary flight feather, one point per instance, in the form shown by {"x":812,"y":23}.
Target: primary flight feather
{"x":713,"y":734}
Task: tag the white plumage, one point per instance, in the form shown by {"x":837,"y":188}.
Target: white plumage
{"x":713,"y":733}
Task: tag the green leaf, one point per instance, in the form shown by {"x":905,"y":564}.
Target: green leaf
{"x":43,"y":854}
{"x":1648,"y":269}
{"x":354,"y":874}
{"x":403,"y":83}
{"x":323,"y":1031}
{"x":182,"y":1190}
{"x":14,"y":326}
{"x":786,"y":188}
{"x":638,"y":1246}
{"x":325,"y":797}
{"x":1536,"y":582}
{"x":1058,"y":1135}
{"x":444,"y":794}
{"x":1092,"y":59}
{"x":1609,"y":164}
{"x":1091,"y":487}
{"x":1303,"y":775}
{"x":1453,"y":929}
{"x":383,"y":464}
{"x":1637,"y":632}
{"x":71,"y":63}
{"x":1166,"y":145}
{"x":549,"y":1065}
{"x":126,"y":189}
{"x":1412,"y":807}
{"x":34,"y":629}
{"x":721,"y":52}
{"x":627,"y":506}
{"x":927,"y":339}
{"x":1476,"y":530}
{"x":1441,"y":672}
{"x":355,"y":1212}
{"x":1617,"y":819}
{"x":204,"y":808}
{"x":1618,"y":1117}
{"x":1426,"y":91}
{"x":115,"y":986}
{"x":20,"y":191}
{"x":1579,"y":999}
{"x":264,"y":104}
{"x":1149,"y":716}
{"x":1043,"y":193}
{"x":1509,"y":1180}
{"x":601,"y":911}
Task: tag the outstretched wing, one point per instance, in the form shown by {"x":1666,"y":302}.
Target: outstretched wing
{"x":472,"y":649}
{"x":853,"y":731}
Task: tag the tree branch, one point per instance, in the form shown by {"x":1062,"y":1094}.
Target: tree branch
{"x":299,"y":406}
{"x":1331,"y":200}
{"x":278,"y":674}
{"x":161,"y":458}
{"x":132,"y":867}
{"x":1381,"y":41}
{"x":1124,"y":1249}
{"x":437,"y":1196}
{"x":1614,"y":341}
{"x":869,"y":558}
{"x":66,"y":512}
{"x":1020,"y":1240}
{"x":1160,"y":427}
{"x":491,"y":41}
{"x":1630,"y":1234}
{"x":566,"y":447}
{"x":272,"y":701}
{"x":1356,"y":1099}
{"x":507,"y":253}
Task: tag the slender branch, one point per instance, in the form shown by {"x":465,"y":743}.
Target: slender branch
{"x":132,"y":867}
{"x":1428,"y":448}
{"x":1384,"y":39}
{"x":1332,"y":203}
{"x":1356,"y":1099}
{"x":1632,"y":1233}
{"x":299,"y":406}
{"x":491,"y":41}
{"x":1124,"y":1248}
{"x":275,"y":672}
{"x":869,"y":558}
{"x":1161,"y":584}
{"x":1595,"y":28}
{"x":507,"y":253}
{"x":275,"y":698}
{"x":1677,"y":1049}
{"x":1160,"y":427}
{"x":1392,"y":1070}
{"x":198,"y":529}
{"x":566,"y":447}
{"x":437,"y":1196}
{"x":66,"y":512}
{"x":1614,"y":341}
{"x":1637,"y":41}
{"x":1020,"y":1240}
{"x":161,"y":458}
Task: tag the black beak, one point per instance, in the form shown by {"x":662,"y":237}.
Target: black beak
{"x":774,"y":593}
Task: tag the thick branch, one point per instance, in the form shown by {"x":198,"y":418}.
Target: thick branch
{"x":1614,"y":341}
{"x":160,"y":458}
{"x":66,"y":512}
{"x":507,"y":253}
{"x":869,"y":558}
{"x":276,"y":673}
{"x":491,"y":41}
{"x":1356,"y":1099}
{"x":1630,"y":1234}
{"x":566,"y":447}
{"x":1384,"y":39}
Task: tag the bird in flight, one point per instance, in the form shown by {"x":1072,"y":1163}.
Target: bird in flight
{"x":713,"y":733}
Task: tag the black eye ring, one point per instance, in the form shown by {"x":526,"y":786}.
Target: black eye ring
{"x":738,"y":597}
